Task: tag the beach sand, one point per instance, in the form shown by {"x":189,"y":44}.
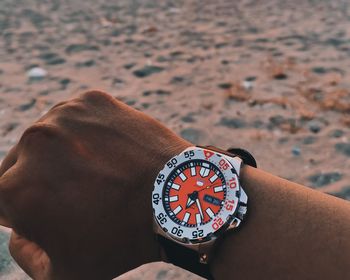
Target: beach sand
{"x":269,"y":76}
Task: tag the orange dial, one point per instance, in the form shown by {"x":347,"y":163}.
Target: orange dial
{"x":194,"y":193}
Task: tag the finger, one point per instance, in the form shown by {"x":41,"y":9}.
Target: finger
{"x":9,"y":161}
{"x":29,"y":256}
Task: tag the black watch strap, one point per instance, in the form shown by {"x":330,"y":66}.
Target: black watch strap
{"x":184,"y":258}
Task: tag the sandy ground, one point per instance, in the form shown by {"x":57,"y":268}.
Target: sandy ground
{"x":270,"y":76}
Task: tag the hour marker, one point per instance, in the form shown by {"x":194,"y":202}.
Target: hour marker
{"x":193,"y":171}
{"x":177,"y":210}
{"x":218,"y":189}
{"x":198,"y":219}
{"x":210,"y":212}
{"x":183,"y":177}
{"x":205,"y":164}
{"x":175,"y":187}
{"x":173,"y":198}
{"x":186,"y":217}
{"x":213,"y":178}
{"x":204,"y":172}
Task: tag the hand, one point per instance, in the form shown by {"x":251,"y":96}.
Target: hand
{"x":200,"y":208}
{"x":76,"y":189}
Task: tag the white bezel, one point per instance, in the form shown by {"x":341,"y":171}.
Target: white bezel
{"x":232,"y":194}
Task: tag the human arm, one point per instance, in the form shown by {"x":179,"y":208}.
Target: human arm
{"x":77,"y":188}
{"x":291,"y":232}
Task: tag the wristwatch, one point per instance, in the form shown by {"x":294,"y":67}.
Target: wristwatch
{"x":197,"y":198}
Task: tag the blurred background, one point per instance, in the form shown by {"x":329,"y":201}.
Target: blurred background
{"x":270,"y":76}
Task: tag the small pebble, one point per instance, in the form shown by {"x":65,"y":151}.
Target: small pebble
{"x":283,"y":140}
{"x":145,"y":105}
{"x":280,"y":76}
{"x":65,"y":82}
{"x":87,"y":63}
{"x":27,"y":106}
{"x":315,"y":126}
{"x":296,"y":151}
{"x":188,"y":118}
{"x":250,"y":78}
{"x":130,"y":102}
{"x":177,"y":80}
{"x":337,"y":133}
{"x":323,"y":179}
{"x":9,"y":127}
{"x":36,"y":73}
{"x":147,"y":71}
{"x":192,"y":134}
{"x":75,"y":48}
{"x":344,"y":193}
{"x":232,"y":122}
{"x":162,"y":92}
{"x":247,"y":85}
{"x":258,"y":124}
{"x":343,"y":148}
{"x":309,"y":140}
{"x":225,"y":85}
{"x":129,"y":65}
{"x":277,"y":120}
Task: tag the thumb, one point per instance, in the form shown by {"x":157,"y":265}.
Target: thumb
{"x":30,"y":257}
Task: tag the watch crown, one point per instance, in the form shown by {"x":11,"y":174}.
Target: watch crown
{"x":242,"y":210}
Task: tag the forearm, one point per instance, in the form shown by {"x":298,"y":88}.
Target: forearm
{"x":291,"y":232}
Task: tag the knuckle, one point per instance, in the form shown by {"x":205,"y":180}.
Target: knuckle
{"x":71,"y":107}
{"x":64,"y":112}
{"x":59,"y":105}
{"x":39,"y":133}
{"x":95,"y":95}
{"x":98,"y":98}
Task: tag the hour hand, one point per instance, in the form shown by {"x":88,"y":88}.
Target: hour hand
{"x":189,"y":202}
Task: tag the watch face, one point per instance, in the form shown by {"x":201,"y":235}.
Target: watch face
{"x":195,"y":195}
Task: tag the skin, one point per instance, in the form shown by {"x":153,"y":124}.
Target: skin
{"x":291,"y":232}
{"x":76,"y":191}
{"x":78,"y":185}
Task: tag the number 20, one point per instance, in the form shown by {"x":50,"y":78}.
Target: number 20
{"x":219,"y":222}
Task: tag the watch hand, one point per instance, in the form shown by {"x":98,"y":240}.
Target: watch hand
{"x":191,"y":198}
{"x":208,"y":187}
{"x":200,"y":208}
{"x":189,"y":202}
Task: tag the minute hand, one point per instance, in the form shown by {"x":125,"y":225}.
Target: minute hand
{"x":200,"y":208}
